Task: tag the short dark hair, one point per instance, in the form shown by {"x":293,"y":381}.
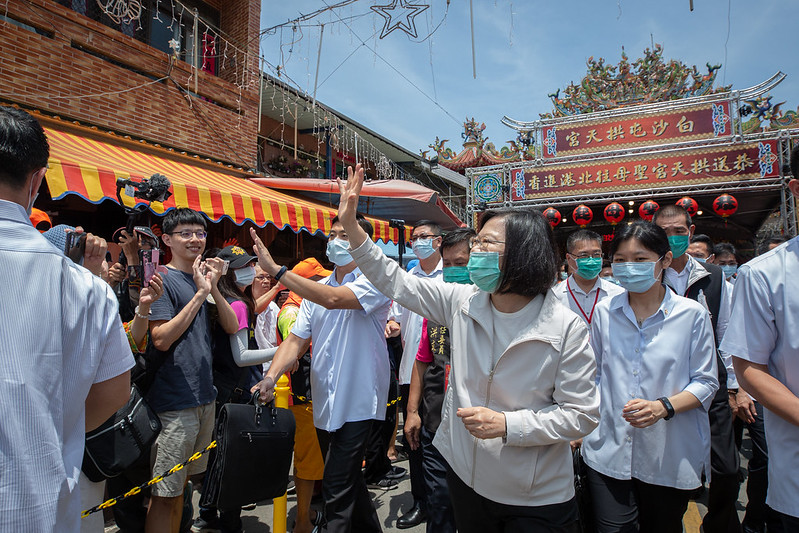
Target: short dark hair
{"x":435,"y":226}
{"x":704,"y":239}
{"x":362,"y":222}
{"x":182,"y":215}
{"x":456,"y":237}
{"x":672,"y":210}
{"x":795,"y":162}
{"x":531,"y":259}
{"x":649,"y":234}
{"x":724,"y":248}
{"x":23,"y":147}
{"x":582,"y":235}
{"x":776,"y":240}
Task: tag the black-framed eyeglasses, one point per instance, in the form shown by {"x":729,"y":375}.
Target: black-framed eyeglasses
{"x":482,"y":242}
{"x":423,"y":236}
{"x":187,"y":234}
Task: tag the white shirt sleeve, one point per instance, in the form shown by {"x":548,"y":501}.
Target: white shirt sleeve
{"x":116,"y":357}
{"x":721,"y":328}
{"x":752,"y":332}
{"x":302,"y":326}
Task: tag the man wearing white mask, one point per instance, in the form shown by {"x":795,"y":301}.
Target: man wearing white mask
{"x":345,"y":316}
{"x":584,"y":288}
{"x":426,"y":241}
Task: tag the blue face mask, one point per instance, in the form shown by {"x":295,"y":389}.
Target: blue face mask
{"x":701,"y":259}
{"x":637,"y":276}
{"x":457,"y":274}
{"x":423,"y":248}
{"x":244,"y":276}
{"x":484,"y":270}
{"x":337,"y":252}
{"x":729,"y":270}
{"x":612,"y":280}
{"x":679,"y":244}
{"x":589,"y":267}
{"x":564,"y":275}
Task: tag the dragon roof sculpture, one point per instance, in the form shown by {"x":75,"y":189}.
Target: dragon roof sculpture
{"x":646,"y":80}
{"x":477,"y":152}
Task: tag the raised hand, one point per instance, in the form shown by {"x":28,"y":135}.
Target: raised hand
{"x":214,"y":266}
{"x":94,"y":254}
{"x":265,"y":260}
{"x":348,"y":205}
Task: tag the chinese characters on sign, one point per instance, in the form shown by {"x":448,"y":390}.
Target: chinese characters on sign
{"x":700,"y":122}
{"x":753,"y":160}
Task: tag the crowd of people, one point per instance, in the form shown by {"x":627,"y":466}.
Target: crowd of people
{"x":640,"y":367}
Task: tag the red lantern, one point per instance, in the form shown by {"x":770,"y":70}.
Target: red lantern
{"x":725,"y":205}
{"x":689,"y":204}
{"x":553,"y":216}
{"x":648,"y":209}
{"x":614,"y":213}
{"x":582,"y":215}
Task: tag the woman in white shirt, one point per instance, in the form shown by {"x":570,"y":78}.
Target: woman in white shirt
{"x":656,"y":370}
{"x":521,"y":384}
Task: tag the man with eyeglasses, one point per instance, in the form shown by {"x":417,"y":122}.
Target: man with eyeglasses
{"x":182,"y":391}
{"x":581,"y":291}
{"x":425,"y":241}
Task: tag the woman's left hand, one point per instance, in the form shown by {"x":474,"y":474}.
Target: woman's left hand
{"x":482,"y":422}
{"x":641,"y":413}
{"x":152,"y":292}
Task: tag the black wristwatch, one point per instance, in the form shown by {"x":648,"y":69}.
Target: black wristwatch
{"x":669,"y":408}
{"x":280,"y":272}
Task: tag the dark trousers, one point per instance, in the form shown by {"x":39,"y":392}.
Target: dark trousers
{"x":789,"y":523}
{"x":348,"y":505}
{"x":630,"y":505}
{"x":477,"y":514}
{"x":758,"y":514}
{"x":414,"y":456}
{"x":440,"y":516}
{"x":377,"y":462}
{"x":722,"y":514}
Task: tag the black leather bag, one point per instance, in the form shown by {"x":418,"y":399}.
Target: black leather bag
{"x":583,"y":493}
{"x":253,"y":457}
{"x":121,"y":440}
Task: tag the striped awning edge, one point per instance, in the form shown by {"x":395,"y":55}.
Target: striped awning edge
{"x":89,"y":168}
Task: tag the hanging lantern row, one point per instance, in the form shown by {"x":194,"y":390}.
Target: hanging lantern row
{"x":724,"y":206}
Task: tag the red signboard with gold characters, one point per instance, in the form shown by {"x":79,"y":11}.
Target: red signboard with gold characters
{"x":707,"y":121}
{"x":676,"y":167}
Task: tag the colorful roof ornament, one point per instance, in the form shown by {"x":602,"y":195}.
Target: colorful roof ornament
{"x":477,"y":152}
{"x":646,"y":80}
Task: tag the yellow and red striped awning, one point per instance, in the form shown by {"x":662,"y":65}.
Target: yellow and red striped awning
{"x":89,"y":168}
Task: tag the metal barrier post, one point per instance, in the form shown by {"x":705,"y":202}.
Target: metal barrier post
{"x":280,"y":505}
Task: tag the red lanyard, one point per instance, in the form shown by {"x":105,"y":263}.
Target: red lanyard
{"x":587,"y":317}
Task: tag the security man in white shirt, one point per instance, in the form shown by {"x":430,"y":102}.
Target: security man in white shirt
{"x":65,"y":356}
{"x":705,"y":283}
{"x":426,"y":243}
{"x":762,"y":338}
{"x":345,"y":315}
{"x":581,"y":291}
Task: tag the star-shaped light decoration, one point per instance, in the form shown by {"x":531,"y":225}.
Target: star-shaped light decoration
{"x":399,"y":14}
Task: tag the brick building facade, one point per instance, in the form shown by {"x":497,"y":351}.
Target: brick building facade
{"x":50,"y":54}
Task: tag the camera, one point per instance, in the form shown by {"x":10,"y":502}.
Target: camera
{"x":154,"y":189}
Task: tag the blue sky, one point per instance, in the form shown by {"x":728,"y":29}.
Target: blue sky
{"x":525,"y":50}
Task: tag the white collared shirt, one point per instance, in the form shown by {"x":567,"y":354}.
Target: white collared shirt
{"x":581,"y":302}
{"x":60,"y":334}
{"x":411,"y":325}
{"x":672,"y":351}
{"x":763,"y":330}
{"x":349,"y":366}
{"x":679,"y":280}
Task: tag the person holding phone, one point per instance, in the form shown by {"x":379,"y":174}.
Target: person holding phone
{"x":656,"y":370}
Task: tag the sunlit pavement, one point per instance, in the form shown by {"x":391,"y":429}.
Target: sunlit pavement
{"x":391,"y":504}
